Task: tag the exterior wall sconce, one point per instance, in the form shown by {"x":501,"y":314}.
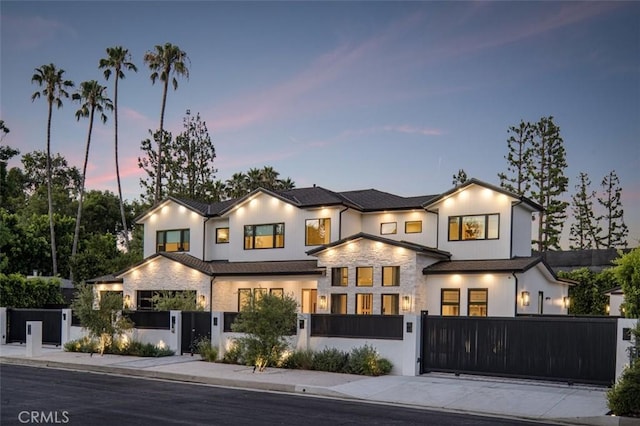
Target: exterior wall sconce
{"x":566,"y":301}
{"x":525,"y":298}
{"x":202,"y":300}
{"x":323,"y":302}
{"x":406,"y":303}
{"x":608,"y":309}
{"x":127,"y":301}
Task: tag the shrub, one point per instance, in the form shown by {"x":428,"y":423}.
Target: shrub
{"x":132,"y":348}
{"x":623,"y":398}
{"x":83,"y":345}
{"x":301,"y":360}
{"x":233,"y":355}
{"x":206,"y":351}
{"x":330,"y":359}
{"x":366,"y":361}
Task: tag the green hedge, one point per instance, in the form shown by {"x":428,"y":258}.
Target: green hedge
{"x":16,"y":291}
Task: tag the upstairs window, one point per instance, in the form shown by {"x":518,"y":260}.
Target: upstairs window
{"x":317,"y":232}
{"x":222,"y":235}
{"x":389,"y":228}
{"x":474,"y":227}
{"x":364,"y":276}
{"x":478,"y":302}
{"x":450,"y":302}
{"x":176,"y":240}
{"x":390,"y":276}
{"x":413,"y":227}
{"x":339,"y":277}
{"x":264,"y":236}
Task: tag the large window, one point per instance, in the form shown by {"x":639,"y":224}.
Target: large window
{"x":175,"y":240}
{"x":450,"y":305}
{"x":264,"y":236}
{"x":413,"y":227}
{"x":145,"y":298}
{"x":476,"y":227}
{"x":318,"y":232}
{"x":478,"y":302}
{"x":338,"y":303}
{"x":389,"y":228}
{"x":339,"y":277}
{"x":246,"y":294}
{"x":364,"y":304}
{"x":390,"y":276}
{"x":390,"y":304}
{"x":364,"y":276}
{"x":222,"y":235}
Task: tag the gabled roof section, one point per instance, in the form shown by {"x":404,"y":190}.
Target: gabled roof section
{"x":532,"y":205}
{"x":439,"y":254}
{"x":195,"y":206}
{"x":315,"y":196}
{"x":369,"y":200}
{"x":232,"y":204}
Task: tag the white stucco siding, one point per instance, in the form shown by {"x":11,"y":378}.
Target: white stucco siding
{"x":213,"y":250}
{"x":372,"y":224}
{"x":476,"y":200}
{"x":161,"y":273}
{"x":500,"y":292}
{"x":521,"y":231}
{"x":351,"y":223}
{"x":538,"y":279}
{"x":225,"y":290}
{"x":364,"y":253}
{"x":615,"y":304}
{"x":172,"y":216}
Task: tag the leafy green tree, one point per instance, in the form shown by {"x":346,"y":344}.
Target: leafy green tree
{"x":101,"y":210}
{"x":6,"y":154}
{"x":117,"y":61}
{"x":102,"y":318}
{"x":587,"y":297}
{"x":548,"y":159}
{"x":627,"y":273}
{"x":54,"y":86}
{"x":4,"y":130}
{"x":148,"y":162}
{"x":92,"y":98}
{"x":459,"y":178}
{"x":519,"y":144}
{"x":189,"y":162}
{"x":615,"y":229}
{"x":98,"y":255}
{"x":165,"y":61}
{"x":22,"y":246}
{"x":585,"y":231}
{"x":16,"y":291}
{"x":266,"y":321}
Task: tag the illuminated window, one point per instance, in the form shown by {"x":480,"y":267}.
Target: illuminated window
{"x":147,"y":299}
{"x":338,"y":303}
{"x":339,"y":277}
{"x":276,"y":292}
{"x":478,"y":302}
{"x":389,"y":228}
{"x":476,"y":227}
{"x":175,"y":240}
{"x":318,"y":232}
{"x":390,"y":276}
{"x":413,"y":227}
{"x":246,"y":295}
{"x":390,"y":304}
{"x":364,"y":304}
{"x":222,"y":235}
{"x":450,"y":305}
{"x":264,"y":236}
{"x":364,"y":276}
{"x":309,"y":297}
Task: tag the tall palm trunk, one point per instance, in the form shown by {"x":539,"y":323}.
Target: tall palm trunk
{"x":161,"y":140}
{"x":76,"y":234}
{"x":54,"y":252}
{"x":125,"y":230}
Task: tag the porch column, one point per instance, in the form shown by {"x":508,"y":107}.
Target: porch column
{"x":217,"y":328}
{"x":65,"y":327}
{"x":304,"y":332}
{"x":411,"y":336}
{"x":175,"y":326}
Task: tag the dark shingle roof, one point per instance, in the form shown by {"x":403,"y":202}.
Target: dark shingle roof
{"x":595,"y":260}
{"x":374,"y":200}
{"x":518,"y":264}
{"x":111,"y":278}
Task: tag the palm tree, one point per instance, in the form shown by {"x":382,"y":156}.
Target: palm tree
{"x":118,"y":59}
{"x":51,"y":81}
{"x":254,"y":179}
{"x":237,"y":186}
{"x":163,"y":62}
{"x":92,"y":94}
{"x":269,"y":178}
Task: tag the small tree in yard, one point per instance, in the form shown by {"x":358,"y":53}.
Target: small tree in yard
{"x":266,"y":320}
{"x":627,"y":272}
{"x":103,"y":320}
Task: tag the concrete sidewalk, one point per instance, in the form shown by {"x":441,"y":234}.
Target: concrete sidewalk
{"x":551,"y":402}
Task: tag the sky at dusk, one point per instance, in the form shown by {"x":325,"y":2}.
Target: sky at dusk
{"x":395,"y":96}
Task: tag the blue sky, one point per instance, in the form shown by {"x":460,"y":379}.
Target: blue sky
{"x":395,"y":96}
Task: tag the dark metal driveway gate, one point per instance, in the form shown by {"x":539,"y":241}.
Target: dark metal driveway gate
{"x":195,"y":326}
{"x":51,"y":324}
{"x":568,"y":349}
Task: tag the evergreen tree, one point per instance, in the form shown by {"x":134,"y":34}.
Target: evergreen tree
{"x":548,"y":162}
{"x":459,"y":178}
{"x":615,"y":229}
{"x":585,"y":232}
{"x":149,"y":163}
{"x":520,"y":144}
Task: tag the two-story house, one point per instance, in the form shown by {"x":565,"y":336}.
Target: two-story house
{"x":464,"y":252}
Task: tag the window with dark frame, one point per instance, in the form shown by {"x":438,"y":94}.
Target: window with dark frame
{"x":339,"y":277}
{"x":265,"y":236}
{"x":244,"y":298}
{"x":390,"y":276}
{"x":474,"y":227}
{"x":390,"y":304}
{"x":388,"y":228}
{"x":276,"y":292}
{"x":172,"y":240}
{"x":364,"y":304}
{"x":413,"y":227}
{"x":317,"y":232}
{"x":222,"y":235}
{"x":364,"y":276}
{"x":477,"y":302}
{"x":144,"y":298}
{"x":450,"y":302}
{"x":338,"y":303}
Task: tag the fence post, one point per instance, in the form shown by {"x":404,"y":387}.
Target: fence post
{"x":624,"y":342}
{"x":34,"y":338}
{"x":3,"y":326}
{"x":304,"y":332}
{"x":217,"y":328}
{"x":175,"y":336}
{"x":411,"y":336}
{"x":65,"y":327}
